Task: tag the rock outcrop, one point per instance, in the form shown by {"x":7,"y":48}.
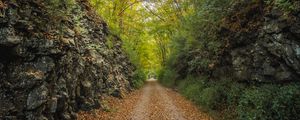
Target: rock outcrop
{"x":262,"y":42}
{"x":55,"y":60}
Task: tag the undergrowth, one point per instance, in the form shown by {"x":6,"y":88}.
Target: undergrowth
{"x":166,"y":77}
{"x":228,"y":99}
{"x":138,"y":80}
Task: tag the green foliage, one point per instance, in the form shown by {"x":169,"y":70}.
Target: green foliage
{"x":255,"y":103}
{"x":194,"y":48}
{"x":208,"y":95}
{"x":139,"y":78}
{"x":180,"y":37}
{"x":125,"y":18}
{"x":109,"y":42}
{"x":191,"y":87}
{"x":198,"y":63}
{"x":270,"y":102}
{"x":234,"y":92}
{"x":195,"y":44}
{"x":211,"y":98}
{"x":285,"y":5}
{"x":167,"y":77}
{"x":132,"y":22}
{"x":286,"y":103}
{"x":239,"y":100}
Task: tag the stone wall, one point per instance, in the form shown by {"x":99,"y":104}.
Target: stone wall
{"x":55,"y":61}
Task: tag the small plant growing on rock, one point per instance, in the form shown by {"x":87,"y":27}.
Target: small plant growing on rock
{"x":285,"y":5}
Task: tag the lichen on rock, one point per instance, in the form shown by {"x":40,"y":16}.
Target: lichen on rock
{"x":48,"y":69}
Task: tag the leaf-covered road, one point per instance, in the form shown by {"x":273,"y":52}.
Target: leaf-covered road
{"x":152,"y":102}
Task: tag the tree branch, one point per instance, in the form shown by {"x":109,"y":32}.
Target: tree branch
{"x":123,"y":10}
{"x":153,"y":13}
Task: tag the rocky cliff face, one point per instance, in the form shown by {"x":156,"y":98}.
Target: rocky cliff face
{"x":55,"y":60}
{"x":262,"y":42}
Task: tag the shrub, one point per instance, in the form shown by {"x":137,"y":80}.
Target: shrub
{"x":192,"y":92}
{"x":191,"y":88}
{"x":270,"y":102}
{"x":234,"y":93}
{"x":211,"y":98}
{"x":243,"y":101}
{"x":286,"y":104}
{"x":208,"y":95}
{"x":138,"y":79}
{"x":167,"y":77}
{"x":254,"y":104}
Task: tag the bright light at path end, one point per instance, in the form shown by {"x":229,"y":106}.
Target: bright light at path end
{"x":151,"y":80}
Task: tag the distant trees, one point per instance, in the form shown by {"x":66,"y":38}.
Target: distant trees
{"x":146,"y":27}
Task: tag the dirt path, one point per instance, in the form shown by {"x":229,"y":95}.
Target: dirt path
{"x":153,"y":102}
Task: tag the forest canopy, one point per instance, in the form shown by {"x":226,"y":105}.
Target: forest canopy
{"x":145,"y":27}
